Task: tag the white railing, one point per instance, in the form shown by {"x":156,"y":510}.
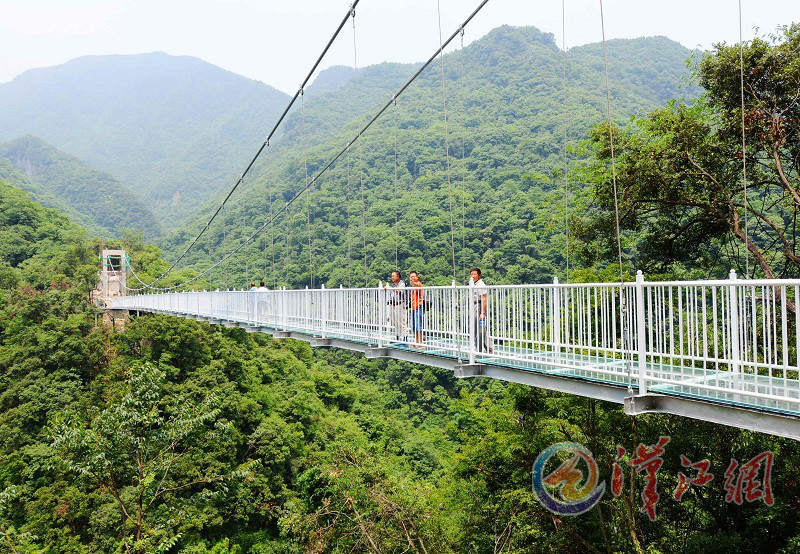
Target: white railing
{"x":733,"y":341}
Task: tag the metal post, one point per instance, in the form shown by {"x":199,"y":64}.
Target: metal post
{"x":453,"y":322}
{"x":471,"y":321}
{"x":555,"y":310}
{"x":285,"y":308}
{"x":323,"y":297}
{"x":640,"y":333}
{"x":381,"y":314}
{"x":733,"y":307}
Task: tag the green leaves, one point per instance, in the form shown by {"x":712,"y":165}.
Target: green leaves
{"x":679,"y":169}
{"x":145,"y":453}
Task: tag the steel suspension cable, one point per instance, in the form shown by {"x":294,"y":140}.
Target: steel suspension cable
{"x":246,"y":267}
{"x":347,"y":220}
{"x":744,"y":144}
{"x":308,"y":196}
{"x":334,"y":159}
{"x":350,"y":166}
{"x":624,"y":328}
{"x":224,"y":234}
{"x":446,"y":141}
{"x":363,"y":224}
{"x":265,"y":143}
{"x":288,"y":246}
{"x":272,"y":243}
{"x":396,"y":216}
{"x":611,"y":143}
{"x":361,"y":176}
{"x":264,"y":248}
{"x":463,"y":162}
{"x":566,"y":125}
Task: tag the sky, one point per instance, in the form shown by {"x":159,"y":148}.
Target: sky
{"x":276,"y":41}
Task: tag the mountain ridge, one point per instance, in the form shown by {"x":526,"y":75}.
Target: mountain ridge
{"x":174,"y":127}
{"x":90,"y":197}
{"x":505,"y":105}
{"x":180,"y":142}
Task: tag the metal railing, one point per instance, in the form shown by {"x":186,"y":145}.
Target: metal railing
{"x":732,"y":341}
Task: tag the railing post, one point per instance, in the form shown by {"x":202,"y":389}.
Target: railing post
{"x":381,"y":314}
{"x":733,"y":307}
{"x":285,"y":308}
{"x":323,"y":309}
{"x":454,"y":321}
{"x":555,"y":309}
{"x":471,"y":321}
{"x":641,"y":341}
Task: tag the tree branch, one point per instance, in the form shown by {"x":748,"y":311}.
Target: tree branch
{"x":757,"y":254}
{"x":781,"y":236}
{"x":784,"y":180}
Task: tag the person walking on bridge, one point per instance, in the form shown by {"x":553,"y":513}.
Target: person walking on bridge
{"x":261,"y":304}
{"x":397,"y":301}
{"x":417,"y":309}
{"x":480,"y":305}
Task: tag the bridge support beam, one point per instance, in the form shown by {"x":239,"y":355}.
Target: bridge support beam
{"x":464,"y":371}
{"x":763,"y":422}
{"x":372,"y":353}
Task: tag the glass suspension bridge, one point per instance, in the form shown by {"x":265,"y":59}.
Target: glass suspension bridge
{"x":724,"y":351}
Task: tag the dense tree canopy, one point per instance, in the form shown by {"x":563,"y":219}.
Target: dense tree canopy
{"x":680,"y":171}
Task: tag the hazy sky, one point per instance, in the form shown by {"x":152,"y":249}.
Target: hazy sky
{"x":275,"y":41}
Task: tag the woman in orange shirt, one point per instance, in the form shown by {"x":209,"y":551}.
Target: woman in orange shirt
{"x":417,"y":307}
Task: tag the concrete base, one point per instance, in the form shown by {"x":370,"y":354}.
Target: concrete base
{"x":116,"y":319}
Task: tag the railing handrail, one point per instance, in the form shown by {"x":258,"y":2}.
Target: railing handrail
{"x":601,"y":284}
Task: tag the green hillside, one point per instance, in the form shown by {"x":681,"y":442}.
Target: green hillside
{"x":174,"y":128}
{"x":505,"y":115}
{"x":92,"y":198}
{"x":174,"y":435}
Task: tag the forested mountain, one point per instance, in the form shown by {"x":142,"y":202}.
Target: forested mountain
{"x":174,"y":128}
{"x":92,"y":198}
{"x":174,"y":435}
{"x":178,"y":131}
{"x":505,"y":103}
{"x":330,"y":79}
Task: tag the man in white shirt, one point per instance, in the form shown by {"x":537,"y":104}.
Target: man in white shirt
{"x":261,"y":303}
{"x":480,"y":305}
{"x":396,"y":301}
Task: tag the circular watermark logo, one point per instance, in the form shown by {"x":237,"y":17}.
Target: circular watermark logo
{"x":572,"y":494}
